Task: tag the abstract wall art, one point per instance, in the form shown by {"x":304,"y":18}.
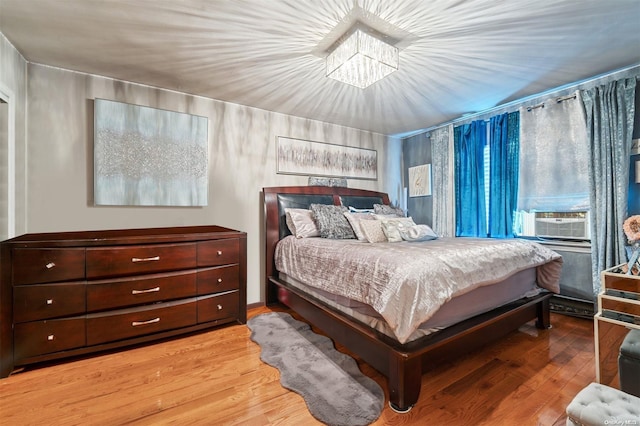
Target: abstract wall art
{"x":149,"y":157}
{"x":302,"y":157}
{"x":420,"y":180}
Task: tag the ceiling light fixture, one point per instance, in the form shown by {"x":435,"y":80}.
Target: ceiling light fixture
{"x":361,"y":57}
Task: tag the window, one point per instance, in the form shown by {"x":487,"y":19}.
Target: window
{"x":487,"y":164}
{"x":554,"y":162}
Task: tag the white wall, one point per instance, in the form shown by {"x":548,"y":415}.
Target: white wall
{"x":242,"y":148}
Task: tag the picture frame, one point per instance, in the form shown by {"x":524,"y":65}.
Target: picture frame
{"x":420,"y":181}
{"x":145,"y":156}
{"x":310,"y":158}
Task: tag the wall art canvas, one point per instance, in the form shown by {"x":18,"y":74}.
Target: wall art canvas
{"x":420,"y":180}
{"x":302,"y":157}
{"x":149,"y":157}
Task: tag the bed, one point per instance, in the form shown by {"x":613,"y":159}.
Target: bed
{"x":391,"y":318}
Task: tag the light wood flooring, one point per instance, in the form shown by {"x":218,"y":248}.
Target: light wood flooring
{"x":217,"y":378}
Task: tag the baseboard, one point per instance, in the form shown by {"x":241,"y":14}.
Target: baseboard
{"x":255,"y":305}
{"x":573,"y":307}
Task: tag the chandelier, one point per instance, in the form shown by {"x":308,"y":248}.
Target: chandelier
{"x":360,"y":58}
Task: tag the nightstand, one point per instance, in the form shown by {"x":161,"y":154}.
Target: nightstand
{"x":618,"y":312}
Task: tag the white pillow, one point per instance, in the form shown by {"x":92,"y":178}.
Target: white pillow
{"x":390,"y":227}
{"x":417,"y":233}
{"x":372,"y":230}
{"x":301,"y":223}
{"x":355,"y":219}
{"x":355,"y":210}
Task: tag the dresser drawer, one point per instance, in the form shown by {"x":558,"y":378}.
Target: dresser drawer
{"x":41,"y":265}
{"x":139,"y":290}
{"x":217,"y":307}
{"x":621,"y":281}
{"x":42,"y":301}
{"x":221,"y":278}
{"x":218,"y":252}
{"x":125,"y":323}
{"x":626,"y":310}
{"x":143,"y":259}
{"x":625,"y":306}
{"x":44,"y":337}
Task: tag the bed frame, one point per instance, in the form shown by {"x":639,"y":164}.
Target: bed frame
{"x":401,"y":364}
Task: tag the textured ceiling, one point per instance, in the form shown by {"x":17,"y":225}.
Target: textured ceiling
{"x":457,"y":56}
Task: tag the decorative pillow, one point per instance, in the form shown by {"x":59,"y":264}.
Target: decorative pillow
{"x":326,"y":181}
{"x":387,"y":210}
{"x":385,"y":216}
{"x":301,"y":223}
{"x":355,"y":219}
{"x":331,"y":221}
{"x":390,"y":227}
{"x":372,"y":230}
{"x":417,"y":233}
{"x":355,"y":210}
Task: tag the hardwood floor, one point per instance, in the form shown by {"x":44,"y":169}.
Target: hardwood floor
{"x":217,"y":378}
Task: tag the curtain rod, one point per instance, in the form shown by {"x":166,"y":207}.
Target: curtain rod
{"x":569,"y":86}
{"x":535,"y":106}
{"x":566,"y":98}
{"x":558,"y":100}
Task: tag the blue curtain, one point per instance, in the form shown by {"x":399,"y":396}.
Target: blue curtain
{"x":504,"y":147}
{"x":609,"y":111}
{"x":469,"y":141}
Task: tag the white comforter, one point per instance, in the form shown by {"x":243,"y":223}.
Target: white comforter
{"x":407,"y":282}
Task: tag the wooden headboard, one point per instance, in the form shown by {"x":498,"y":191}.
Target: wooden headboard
{"x":277,"y":199}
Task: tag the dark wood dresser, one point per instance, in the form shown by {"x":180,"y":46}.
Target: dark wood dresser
{"x":74,"y":293}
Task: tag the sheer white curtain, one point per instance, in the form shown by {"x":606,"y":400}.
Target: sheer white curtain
{"x":442,"y":179}
{"x":554,"y":156}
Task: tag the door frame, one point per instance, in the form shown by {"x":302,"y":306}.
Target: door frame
{"x":8,"y":97}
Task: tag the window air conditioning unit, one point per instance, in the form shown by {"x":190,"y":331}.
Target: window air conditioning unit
{"x":563,"y":225}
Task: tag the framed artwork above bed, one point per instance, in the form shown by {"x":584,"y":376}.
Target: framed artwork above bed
{"x":309,"y":158}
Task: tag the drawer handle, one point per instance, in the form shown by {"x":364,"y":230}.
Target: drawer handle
{"x":144,"y":259}
{"x":219,"y":307}
{"x":219,"y":252}
{"x":219,"y":280}
{"x":49,"y":301}
{"x":149,"y":290}
{"x":50,"y":265}
{"x":50,"y":337}
{"x":151,"y":321}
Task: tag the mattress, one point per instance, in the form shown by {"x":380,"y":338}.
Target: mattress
{"x":406,"y":284}
{"x":476,"y":302}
